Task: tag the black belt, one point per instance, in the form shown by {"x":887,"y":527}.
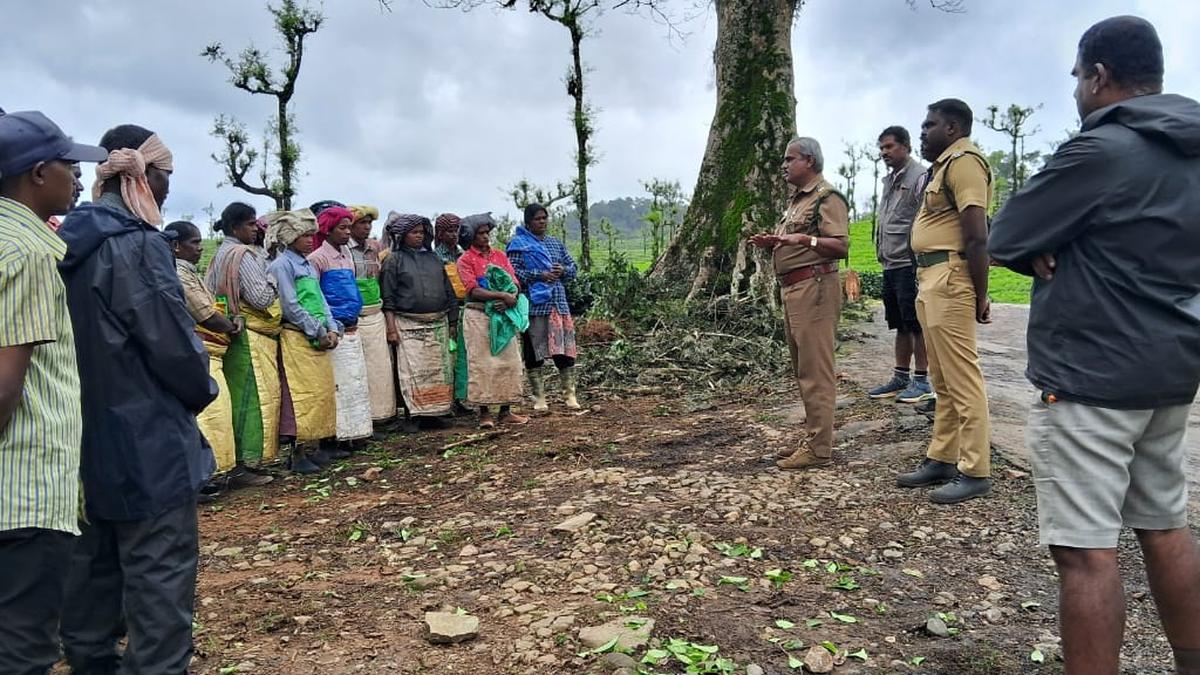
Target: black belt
{"x":934,"y":258}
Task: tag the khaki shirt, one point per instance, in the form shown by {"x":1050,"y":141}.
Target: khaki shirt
{"x":956,"y":182}
{"x":199,"y":300}
{"x":833,"y":220}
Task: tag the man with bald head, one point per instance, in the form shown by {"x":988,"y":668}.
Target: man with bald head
{"x":812,"y":235}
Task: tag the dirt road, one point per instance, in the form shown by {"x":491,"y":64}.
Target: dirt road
{"x":1002,"y":352}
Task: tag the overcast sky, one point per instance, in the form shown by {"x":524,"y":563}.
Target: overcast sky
{"x":425,"y":110}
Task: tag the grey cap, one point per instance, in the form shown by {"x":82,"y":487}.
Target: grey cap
{"x":29,"y":137}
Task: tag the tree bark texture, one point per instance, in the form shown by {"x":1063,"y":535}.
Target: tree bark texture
{"x":740,"y":189}
{"x":583,"y":152}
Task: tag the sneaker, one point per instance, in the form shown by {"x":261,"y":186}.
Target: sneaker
{"x":962,"y":488}
{"x":927,"y":407}
{"x":917,"y":391}
{"x":898,"y":384}
{"x":802,"y":459}
{"x":930,"y":472}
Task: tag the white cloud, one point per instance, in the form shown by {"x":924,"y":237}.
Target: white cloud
{"x":433,"y":110}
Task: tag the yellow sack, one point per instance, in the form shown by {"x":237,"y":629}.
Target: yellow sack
{"x":216,"y":421}
{"x":264,"y":358}
{"x":460,"y":291}
{"x":310,"y":381}
{"x":267,"y":322}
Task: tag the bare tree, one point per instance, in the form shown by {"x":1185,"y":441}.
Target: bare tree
{"x":251,"y":73}
{"x":524,"y":193}
{"x":855,"y":156}
{"x":1013,"y":123}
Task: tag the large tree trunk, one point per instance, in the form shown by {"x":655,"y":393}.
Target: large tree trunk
{"x":740,"y":189}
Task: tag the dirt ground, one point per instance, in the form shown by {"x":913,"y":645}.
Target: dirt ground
{"x":695,"y":542}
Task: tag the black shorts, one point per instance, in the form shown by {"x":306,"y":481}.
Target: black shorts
{"x":900,"y":299}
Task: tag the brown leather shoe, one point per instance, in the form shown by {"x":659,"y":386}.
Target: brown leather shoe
{"x":802,"y":459}
{"x":785,"y":452}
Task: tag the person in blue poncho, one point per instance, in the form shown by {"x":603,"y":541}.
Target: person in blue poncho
{"x":543,"y":265}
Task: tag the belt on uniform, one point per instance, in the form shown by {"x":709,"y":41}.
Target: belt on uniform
{"x":934,"y":258}
{"x":807,"y":272}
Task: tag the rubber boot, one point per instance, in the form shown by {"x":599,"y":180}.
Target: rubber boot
{"x":567,"y":379}
{"x":537,"y":384}
{"x":298,"y":462}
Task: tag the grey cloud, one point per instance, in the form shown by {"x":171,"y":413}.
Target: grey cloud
{"x":430,"y":110}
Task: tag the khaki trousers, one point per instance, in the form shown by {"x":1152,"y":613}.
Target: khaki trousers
{"x":811,"y":309}
{"x":946,"y":310}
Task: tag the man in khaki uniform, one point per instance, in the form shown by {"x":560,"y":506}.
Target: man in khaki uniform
{"x":949,"y":239}
{"x":812,"y":235}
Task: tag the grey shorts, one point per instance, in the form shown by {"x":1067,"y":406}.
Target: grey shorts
{"x":1097,"y":469}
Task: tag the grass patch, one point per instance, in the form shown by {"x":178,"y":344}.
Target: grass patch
{"x":1003,"y":285}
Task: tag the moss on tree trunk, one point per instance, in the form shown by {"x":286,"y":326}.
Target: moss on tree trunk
{"x":740,"y":189}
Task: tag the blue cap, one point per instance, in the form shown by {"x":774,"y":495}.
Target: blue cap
{"x":29,"y":137}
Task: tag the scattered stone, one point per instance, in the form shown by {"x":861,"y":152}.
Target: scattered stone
{"x":936,"y":627}
{"x":370,"y":474}
{"x":468,"y":551}
{"x":993,"y":615}
{"x":444,"y":628}
{"x":630,"y":633}
{"x":1006,"y":548}
{"x":229,"y":552}
{"x":990,"y":582}
{"x":754,"y":669}
{"x":618,"y":660}
{"x":818,"y":660}
{"x":576,"y":522}
{"x":302,"y":620}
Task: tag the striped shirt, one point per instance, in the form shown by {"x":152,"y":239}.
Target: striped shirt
{"x":39,"y":449}
{"x":254,"y":286}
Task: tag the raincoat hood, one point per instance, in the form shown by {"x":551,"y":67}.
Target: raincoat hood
{"x":1167,"y":119}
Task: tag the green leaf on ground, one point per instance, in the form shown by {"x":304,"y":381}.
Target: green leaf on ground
{"x":784,"y":624}
{"x":1037,"y":656}
{"x":844,"y":618}
{"x":861,"y":655}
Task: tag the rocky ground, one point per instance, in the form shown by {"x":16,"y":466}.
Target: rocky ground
{"x":649,"y":532}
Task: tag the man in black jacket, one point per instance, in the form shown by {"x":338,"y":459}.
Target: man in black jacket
{"x":1111,"y":229}
{"x":143,"y":375}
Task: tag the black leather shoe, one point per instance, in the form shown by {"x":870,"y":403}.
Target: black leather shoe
{"x":962,"y":488}
{"x":321,"y":458}
{"x":930,"y":472}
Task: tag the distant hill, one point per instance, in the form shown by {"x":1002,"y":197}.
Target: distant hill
{"x":625,"y":214}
